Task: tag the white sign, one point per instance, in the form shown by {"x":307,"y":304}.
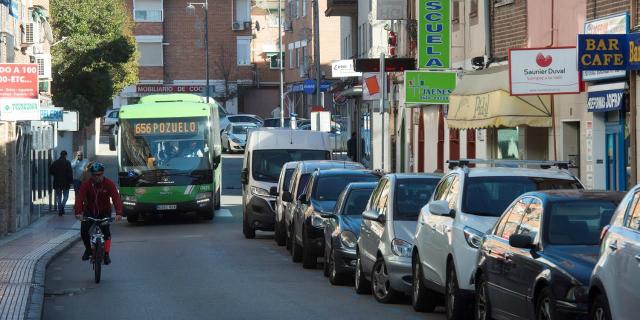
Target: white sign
{"x":392,"y":10}
{"x":371,"y":86}
{"x":343,"y":69}
{"x":19,"y":109}
{"x":69,"y":121}
{"x":535,"y":71}
{"x":617,"y":24}
{"x":321,"y":121}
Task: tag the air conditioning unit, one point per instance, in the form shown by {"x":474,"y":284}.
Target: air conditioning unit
{"x":247,"y":24}
{"x":44,"y":66}
{"x":237,"y":26}
{"x":288,"y":26}
{"x":29,"y":33}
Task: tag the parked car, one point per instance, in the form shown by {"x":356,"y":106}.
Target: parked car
{"x":537,"y":260}
{"x":465,"y":206}
{"x":234,"y":136}
{"x":319,"y":197}
{"x":342,"y":229}
{"x":275,"y":122}
{"x":284,"y":184}
{"x":267,"y":150}
{"x":383,"y":260}
{"x":299,"y":181}
{"x":110,"y":120}
{"x":245,"y":118}
{"x":615,"y":282}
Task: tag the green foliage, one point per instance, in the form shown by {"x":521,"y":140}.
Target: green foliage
{"x":98,"y":57}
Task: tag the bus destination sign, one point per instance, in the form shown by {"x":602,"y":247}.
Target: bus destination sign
{"x":165,"y":127}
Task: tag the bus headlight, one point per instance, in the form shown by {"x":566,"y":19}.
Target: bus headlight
{"x":129,"y":201}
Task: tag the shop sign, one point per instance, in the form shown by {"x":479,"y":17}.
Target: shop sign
{"x":19,"y":109}
{"x":151,"y":88}
{"x":607,"y":97}
{"x":309,"y":86}
{"x":615,"y":24}
{"x":69,"y":121}
{"x":535,"y":71}
{"x":18,"y":80}
{"x":51,"y":114}
{"x":434,"y":34}
{"x":609,"y":51}
{"x":343,"y":69}
{"x":423,"y":87}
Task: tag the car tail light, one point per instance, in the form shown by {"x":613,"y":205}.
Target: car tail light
{"x":604,"y":231}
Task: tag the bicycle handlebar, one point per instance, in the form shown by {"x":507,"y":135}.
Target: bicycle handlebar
{"x":97,"y":220}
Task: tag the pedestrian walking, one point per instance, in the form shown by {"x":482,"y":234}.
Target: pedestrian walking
{"x":79,"y":164}
{"x":62,"y":180}
{"x":352,"y":147}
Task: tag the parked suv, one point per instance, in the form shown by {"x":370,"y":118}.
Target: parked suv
{"x":319,"y":197}
{"x":465,"y":205}
{"x":615,"y":282}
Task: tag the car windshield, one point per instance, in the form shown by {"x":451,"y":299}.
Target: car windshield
{"x":328,"y":188}
{"x":356,"y":201}
{"x":243,"y":119}
{"x":490,"y":196}
{"x":287,"y":179}
{"x":275,"y":122}
{"x":267,"y":164}
{"x":411,"y":195}
{"x":578,"y":222}
{"x":242,"y":129}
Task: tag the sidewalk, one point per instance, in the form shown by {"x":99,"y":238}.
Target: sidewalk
{"x":23,"y":260}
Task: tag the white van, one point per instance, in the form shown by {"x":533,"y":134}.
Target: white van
{"x":267,"y":150}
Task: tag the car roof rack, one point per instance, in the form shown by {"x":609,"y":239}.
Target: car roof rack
{"x":462,"y":163}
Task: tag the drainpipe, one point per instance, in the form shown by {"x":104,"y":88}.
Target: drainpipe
{"x":632,"y":108}
{"x":487,"y":30}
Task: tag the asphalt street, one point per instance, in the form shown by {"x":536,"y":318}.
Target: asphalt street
{"x":186,"y":268}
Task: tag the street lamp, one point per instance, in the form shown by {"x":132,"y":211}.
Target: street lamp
{"x":191,"y":11}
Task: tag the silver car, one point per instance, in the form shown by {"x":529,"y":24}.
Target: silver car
{"x":389,"y":221}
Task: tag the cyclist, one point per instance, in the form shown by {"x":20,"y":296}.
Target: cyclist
{"x":94,"y":201}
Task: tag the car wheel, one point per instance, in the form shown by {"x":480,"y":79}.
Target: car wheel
{"x":309,"y":259}
{"x":325,"y":263}
{"x":600,"y":308}
{"x":280,"y":234}
{"x":381,"y":282}
{"x":217,"y":199}
{"x":288,"y":237}
{"x":207,"y":215}
{"x":248,"y":231}
{"x":454,"y":301}
{"x":482,"y":303}
{"x":545,"y":308}
{"x":336,"y":278}
{"x":422,"y":298}
{"x":362,"y":285}
{"x":296,"y":249}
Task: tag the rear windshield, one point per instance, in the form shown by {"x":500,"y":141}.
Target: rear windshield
{"x":328,"y":188}
{"x":287,"y":179}
{"x":267,"y":164}
{"x":356,"y":201}
{"x":276,"y":122}
{"x":241,"y":129}
{"x":490,"y":196}
{"x":411,"y":195}
{"x":243,"y":119}
{"x":578,"y":222}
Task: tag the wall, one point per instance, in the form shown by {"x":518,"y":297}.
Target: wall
{"x":468,"y":36}
{"x":568,"y":18}
{"x":508,"y":28}
{"x":260,"y":101}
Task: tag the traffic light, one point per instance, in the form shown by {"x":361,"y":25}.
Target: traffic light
{"x":390,"y":65}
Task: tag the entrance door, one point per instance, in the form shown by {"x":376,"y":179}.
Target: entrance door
{"x":615,"y":155}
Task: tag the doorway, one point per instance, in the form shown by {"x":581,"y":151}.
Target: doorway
{"x":571,"y":145}
{"x":615,"y":156}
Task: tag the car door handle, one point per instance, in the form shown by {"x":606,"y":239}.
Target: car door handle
{"x":613,"y":246}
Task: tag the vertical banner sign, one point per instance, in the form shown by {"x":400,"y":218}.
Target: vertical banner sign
{"x":434,"y":34}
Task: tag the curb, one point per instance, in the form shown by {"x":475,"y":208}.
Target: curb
{"x":36,"y":295}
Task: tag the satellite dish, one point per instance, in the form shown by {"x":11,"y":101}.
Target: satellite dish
{"x":257,"y":26}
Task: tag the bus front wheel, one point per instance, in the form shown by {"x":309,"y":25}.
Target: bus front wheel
{"x":132,"y":217}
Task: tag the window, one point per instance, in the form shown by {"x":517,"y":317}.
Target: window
{"x":455,"y":17}
{"x":473,"y":10}
{"x":44,"y":66}
{"x":274,"y":60}
{"x":509,"y":223}
{"x":303,"y":56}
{"x":633,"y":220}
{"x":410,"y":196}
{"x":290,"y":57}
{"x":356,"y":202}
{"x":286,"y":180}
{"x":329,"y":187}
{"x":454,"y":192}
{"x":443,"y":187}
{"x":578,"y":222}
{"x":370,"y":37}
{"x":304,"y":8}
{"x":147,"y":10}
{"x":508,"y":144}
{"x":375,"y":196}
{"x":244,"y":51}
{"x":530,"y":224}
{"x":381,"y":206}
{"x":293,"y":9}
{"x":150,"y":54}
{"x":242,"y":11}
{"x":297,"y":57}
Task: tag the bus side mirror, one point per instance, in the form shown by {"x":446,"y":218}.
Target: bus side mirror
{"x":244,"y":176}
{"x":112,"y":143}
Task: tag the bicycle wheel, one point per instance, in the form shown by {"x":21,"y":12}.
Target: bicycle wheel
{"x":97,"y":261}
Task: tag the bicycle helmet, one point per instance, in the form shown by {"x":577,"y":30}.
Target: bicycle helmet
{"x":96,"y":167}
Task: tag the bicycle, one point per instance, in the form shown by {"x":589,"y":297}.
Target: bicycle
{"x":97,"y":244}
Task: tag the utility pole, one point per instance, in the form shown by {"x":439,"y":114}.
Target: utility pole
{"x":383,"y":97}
{"x":316,"y":48}
{"x":206,"y":45}
{"x":280,"y":59}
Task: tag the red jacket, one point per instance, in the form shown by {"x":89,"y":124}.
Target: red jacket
{"x":94,"y":200}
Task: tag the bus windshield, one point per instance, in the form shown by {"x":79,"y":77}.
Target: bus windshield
{"x":175,"y":145}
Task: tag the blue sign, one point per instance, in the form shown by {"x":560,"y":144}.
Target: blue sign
{"x":309,"y":86}
{"x":607,"y":100}
{"x":603,"y":51}
{"x":51,"y":114}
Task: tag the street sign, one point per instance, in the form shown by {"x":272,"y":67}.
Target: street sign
{"x":429,"y":87}
{"x":69,"y":121}
{"x":51,"y":114}
{"x":614,"y":24}
{"x":371,"y":86}
{"x":390,"y":65}
{"x":434,"y":34}
{"x":19,"y":109}
{"x":535,"y":71}
{"x":343,"y":69}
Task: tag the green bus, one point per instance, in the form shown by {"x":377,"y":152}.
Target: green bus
{"x":169,"y":156}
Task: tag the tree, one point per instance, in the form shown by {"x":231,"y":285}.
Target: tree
{"x":225,"y":66}
{"x":96,"y":59}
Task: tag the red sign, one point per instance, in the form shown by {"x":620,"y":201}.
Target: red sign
{"x":161,"y":88}
{"x":18,"y":80}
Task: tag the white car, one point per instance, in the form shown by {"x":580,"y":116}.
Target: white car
{"x":465,"y":205}
{"x":110,"y":120}
{"x":615,"y":282}
{"x":234,"y":136}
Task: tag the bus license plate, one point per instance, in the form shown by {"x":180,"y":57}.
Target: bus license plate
{"x":167,"y":207}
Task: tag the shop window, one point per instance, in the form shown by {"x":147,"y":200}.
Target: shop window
{"x":507,"y":144}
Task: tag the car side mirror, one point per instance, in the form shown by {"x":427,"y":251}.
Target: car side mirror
{"x":273,"y":191}
{"x":441,"y":208}
{"x":286,"y":196}
{"x":112,"y":142}
{"x":373,"y":216}
{"x":244,"y":176}
{"x":521,"y":241}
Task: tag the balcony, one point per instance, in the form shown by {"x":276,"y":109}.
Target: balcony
{"x":337,"y":8}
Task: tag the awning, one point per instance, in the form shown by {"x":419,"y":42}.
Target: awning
{"x":482,"y":100}
{"x":606,"y":97}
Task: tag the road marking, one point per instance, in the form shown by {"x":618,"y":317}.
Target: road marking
{"x":224,"y":213}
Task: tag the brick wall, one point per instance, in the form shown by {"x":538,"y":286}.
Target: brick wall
{"x":148,"y":28}
{"x":508,"y":28}
{"x":151,"y":73}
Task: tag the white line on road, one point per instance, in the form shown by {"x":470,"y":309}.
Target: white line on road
{"x":224,"y":213}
